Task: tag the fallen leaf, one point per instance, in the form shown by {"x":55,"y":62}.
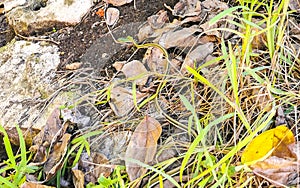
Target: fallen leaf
{"x":56,"y":157}
{"x":73,"y":66}
{"x":278,"y":171}
{"x":100,"y":12}
{"x":196,"y":55}
{"x":118,"y":65}
{"x":121,"y":100}
{"x":294,"y":5}
{"x":28,"y":133}
{"x":186,"y":8}
{"x":182,"y":37}
{"x":156,"y":25}
{"x":112,"y":16}
{"x":34,"y":185}
{"x":49,"y":135}
{"x":78,"y":178}
{"x":155,"y":59}
{"x":214,"y":5}
{"x":142,"y":146}
{"x":117,"y":2}
{"x":278,"y":139}
{"x":158,"y":20}
{"x":136,"y":70}
{"x":50,"y":130}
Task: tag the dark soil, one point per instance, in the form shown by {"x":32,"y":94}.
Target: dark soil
{"x":92,"y":31}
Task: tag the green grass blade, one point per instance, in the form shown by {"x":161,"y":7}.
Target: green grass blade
{"x":20,"y":173}
{"x":206,"y":82}
{"x":224,"y":13}
{"x":237,"y":148}
{"x":8,"y":148}
{"x":6,"y":183}
{"x":168,"y":177}
{"x":198,"y":139}
{"x":85,"y":136}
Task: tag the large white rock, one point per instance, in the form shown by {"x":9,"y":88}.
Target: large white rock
{"x":27,"y":71}
{"x":27,"y":19}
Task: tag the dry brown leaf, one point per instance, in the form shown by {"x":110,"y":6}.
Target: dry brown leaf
{"x":50,"y":130}
{"x":158,"y":20}
{"x":34,"y":185}
{"x":198,"y":54}
{"x":214,"y":5}
{"x":206,"y":26}
{"x":56,"y":158}
{"x":183,"y":37}
{"x":156,"y":26}
{"x":295,"y":5}
{"x":262,"y":99}
{"x":73,"y":66}
{"x":154,"y":58}
{"x":94,"y":166}
{"x":78,"y":178}
{"x":186,"y":8}
{"x":118,"y":65}
{"x":259,"y":41}
{"x":142,"y":146}
{"x":49,"y":135}
{"x":28,"y":133}
{"x":121,"y":100}
{"x":279,"y":171}
{"x":135,"y":69}
{"x":117,"y":2}
{"x":112,"y":16}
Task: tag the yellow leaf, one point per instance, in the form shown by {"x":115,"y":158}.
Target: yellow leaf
{"x":274,"y":141}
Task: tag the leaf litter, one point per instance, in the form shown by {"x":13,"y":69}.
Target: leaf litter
{"x":188,"y":32}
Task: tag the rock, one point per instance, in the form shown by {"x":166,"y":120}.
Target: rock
{"x":6,"y":32}
{"x":38,"y":16}
{"x":10,"y":4}
{"x":27,"y":71}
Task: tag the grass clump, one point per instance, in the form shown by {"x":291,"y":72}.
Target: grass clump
{"x":16,"y":166}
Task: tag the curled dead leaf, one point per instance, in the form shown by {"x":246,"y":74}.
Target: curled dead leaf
{"x":278,"y":171}
{"x":142,"y":146}
{"x":158,"y":20}
{"x":56,"y":157}
{"x":112,"y":16}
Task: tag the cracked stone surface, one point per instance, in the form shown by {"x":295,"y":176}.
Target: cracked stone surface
{"x":27,"y":71}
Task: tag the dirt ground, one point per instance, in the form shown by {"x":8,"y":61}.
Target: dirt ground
{"x":74,"y":42}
